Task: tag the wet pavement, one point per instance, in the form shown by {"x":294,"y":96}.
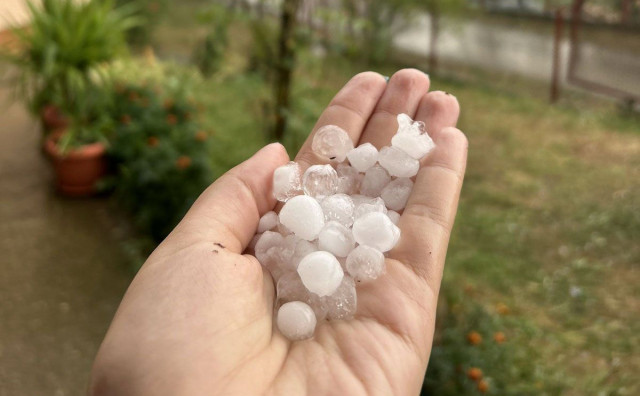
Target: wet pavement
{"x":62,"y":271}
{"x":521,"y":52}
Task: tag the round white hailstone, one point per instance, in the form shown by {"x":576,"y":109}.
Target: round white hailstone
{"x":376,"y":230}
{"x":363,"y":157}
{"x":303,"y":216}
{"x":365,"y":263}
{"x":332,"y":142}
{"x":407,"y":125}
{"x":338,"y":207}
{"x":276,"y":254}
{"x":296,"y":320}
{"x":396,"y":193}
{"x":343,"y":302}
{"x":374,"y":181}
{"x":320,"y":181}
{"x":393,"y":216}
{"x":404,"y":121}
{"x":417,"y":146}
{"x":368,"y":206}
{"x":320,"y":273}
{"x":268,"y":221}
{"x":348,"y":179}
{"x":290,"y":288}
{"x":397,"y":162}
{"x":336,"y":239}
{"x":287,"y":182}
{"x":267,"y":240}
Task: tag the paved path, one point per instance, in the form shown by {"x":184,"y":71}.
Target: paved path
{"x":522,"y":52}
{"x":61,"y":273}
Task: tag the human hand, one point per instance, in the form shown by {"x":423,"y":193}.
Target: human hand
{"x":198,"y":317}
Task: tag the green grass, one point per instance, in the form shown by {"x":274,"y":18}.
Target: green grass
{"x":548,"y":225}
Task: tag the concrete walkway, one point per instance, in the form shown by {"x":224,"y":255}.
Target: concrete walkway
{"x":521,"y":52}
{"x":62,"y":273}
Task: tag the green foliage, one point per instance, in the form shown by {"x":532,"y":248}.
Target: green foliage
{"x":149,"y":12}
{"x":59,"y":57}
{"x":208,"y":54}
{"x":263,"y":53}
{"x":160,"y":155}
{"x":497,"y":343}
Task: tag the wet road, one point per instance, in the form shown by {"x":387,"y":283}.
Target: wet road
{"x":62,"y":274}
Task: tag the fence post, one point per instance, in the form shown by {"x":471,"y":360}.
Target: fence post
{"x":557,"y":42}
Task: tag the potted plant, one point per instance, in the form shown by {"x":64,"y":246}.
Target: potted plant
{"x":60,"y":61}
{"x":65,"y":41}
{"x":78,"y":150}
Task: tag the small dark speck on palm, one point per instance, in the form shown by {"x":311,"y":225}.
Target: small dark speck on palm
{"x":219,"y":245}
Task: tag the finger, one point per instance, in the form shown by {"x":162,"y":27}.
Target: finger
{"x":350,"y":109}
{"x":227,"y":212}
{"x":403,"y":94}
{"x":438,"y":110}
{"x":428,"y":217}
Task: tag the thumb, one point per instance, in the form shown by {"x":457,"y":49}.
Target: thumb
{"x":228,"y":211}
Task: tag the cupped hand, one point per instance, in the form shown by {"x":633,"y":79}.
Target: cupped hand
{"x":198,"y":317}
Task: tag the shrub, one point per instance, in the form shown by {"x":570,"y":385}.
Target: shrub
{"x":60,"y":54}
{"x":209,"y":53}
{"x":479,"y":351}
{"x":160,"y":155}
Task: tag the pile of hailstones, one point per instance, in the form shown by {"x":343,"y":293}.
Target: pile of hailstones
{"x":336,"y":220}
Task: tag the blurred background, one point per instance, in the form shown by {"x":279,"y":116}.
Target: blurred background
{"x":116,"y":114}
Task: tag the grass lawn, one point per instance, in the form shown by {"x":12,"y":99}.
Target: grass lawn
{"x":545,"y":247}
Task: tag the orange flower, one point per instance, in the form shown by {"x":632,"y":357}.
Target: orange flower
{"x":168,"y":103}
{"x":474,"y":374}
{"x":183,"y":162}
{"x":201,"y":136}
{"x":483,"y":386}
{"x":502,"y":309}
{"x":133,"y":96}
{"x":474,"y":338}
{"x":125,"y":119}
{"x":499,"y":337}
{"x":172,"y":119}
{"x":152,"y":141}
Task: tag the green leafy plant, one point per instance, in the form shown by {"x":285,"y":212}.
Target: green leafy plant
{"x":160,"y":155}
{"x":59,"y":56}
{"x":150,"y":13}
{"x":209,"y":53}
{"x":477,"y":351}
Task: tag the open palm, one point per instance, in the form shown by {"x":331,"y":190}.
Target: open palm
{"x":198,"y":317}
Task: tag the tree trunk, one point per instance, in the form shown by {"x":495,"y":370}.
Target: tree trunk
{"x":433,"y":40}
{"x":284,"y":66}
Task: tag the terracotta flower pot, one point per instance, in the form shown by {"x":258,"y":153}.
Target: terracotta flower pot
{"x":77,"y":170}
{"x":52,"y":119}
